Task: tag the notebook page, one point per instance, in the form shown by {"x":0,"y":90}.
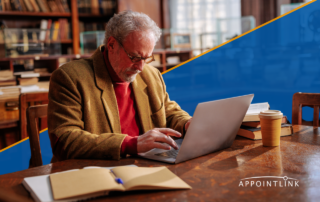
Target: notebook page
{"x":136,"y":178}
{"x":82,"y":182}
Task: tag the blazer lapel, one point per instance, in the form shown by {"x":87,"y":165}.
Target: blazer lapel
{"x":104,"y":83}
{"x":142,"y":102}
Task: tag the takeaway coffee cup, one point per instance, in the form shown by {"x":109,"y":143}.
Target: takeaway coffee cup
{"x":270,"y":121}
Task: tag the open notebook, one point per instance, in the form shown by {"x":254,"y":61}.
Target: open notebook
{"x":98,"y":181}
{"x":90,"y":182}
{"x":40,"y":187}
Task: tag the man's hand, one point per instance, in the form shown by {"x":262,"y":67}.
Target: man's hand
{"x":187,"y":124}
{"x":156,"y":138}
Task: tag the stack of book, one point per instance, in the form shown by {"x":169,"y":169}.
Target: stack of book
{"x":42,"y":71}
{"x":251,"y":127}
{"x":7,"y":78}
{"x":10,"y":92}
{"x":59,"y":6}
{"x":27,"y":78}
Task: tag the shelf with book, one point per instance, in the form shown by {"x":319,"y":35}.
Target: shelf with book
{"x":7,"y":63}
{"x":31,"y":14}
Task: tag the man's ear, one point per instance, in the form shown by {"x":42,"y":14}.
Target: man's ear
{"x":111,"y":44}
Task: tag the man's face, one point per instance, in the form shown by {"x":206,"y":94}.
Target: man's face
{"x":140,"y":43}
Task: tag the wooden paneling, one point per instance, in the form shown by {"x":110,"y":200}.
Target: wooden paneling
{"x":151,"y":8}
{"x":165,"y":14}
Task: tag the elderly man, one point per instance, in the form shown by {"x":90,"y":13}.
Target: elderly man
{"x":114,"y":103}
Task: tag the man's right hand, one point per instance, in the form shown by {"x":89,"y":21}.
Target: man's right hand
{"x":156,"y":138}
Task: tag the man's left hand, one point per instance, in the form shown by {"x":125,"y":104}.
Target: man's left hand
{"x":187,"y":125}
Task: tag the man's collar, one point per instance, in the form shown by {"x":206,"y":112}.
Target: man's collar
{"x":112,"y":73}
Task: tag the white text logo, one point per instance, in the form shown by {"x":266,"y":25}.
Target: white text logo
{"x":269,"y":181}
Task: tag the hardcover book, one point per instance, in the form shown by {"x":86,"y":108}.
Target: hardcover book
{"x":255,"y":133}
{"x":256,"y":124}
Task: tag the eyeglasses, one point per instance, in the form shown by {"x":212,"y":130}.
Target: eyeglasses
{"x":135,"y":59}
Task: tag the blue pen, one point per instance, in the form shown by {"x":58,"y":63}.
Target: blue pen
{"x":118,"y":180}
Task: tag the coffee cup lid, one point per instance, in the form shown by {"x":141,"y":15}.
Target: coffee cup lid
{"x":271,"y":114}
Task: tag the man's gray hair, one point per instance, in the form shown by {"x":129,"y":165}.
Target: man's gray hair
{"x":122,"y":24}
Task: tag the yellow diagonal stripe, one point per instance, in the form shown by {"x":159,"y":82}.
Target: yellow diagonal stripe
{"x":20,"y":141}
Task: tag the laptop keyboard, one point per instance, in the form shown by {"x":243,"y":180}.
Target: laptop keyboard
{"x":168,"y":154}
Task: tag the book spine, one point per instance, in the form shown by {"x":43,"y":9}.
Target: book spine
{"x":109,"y":7}
{"x":13,"y":6}
{"x":60,"y":7}
{"x":100,"y":7}
{"x":17,"y":5}
{"x":67,"y":29}
{"x":95,"y":7}
{"x":56,"y":31}
{"x":3,"y":5}
{"x":23,"y":6}
{"x":43,"y":27}
{"x":7,"y":5}
{"x":65,"y":6}
{"x":61,"y":28}
{"x":35,"y":5}
{"x":88,"y":6}
{"x":42,"y":6}
{"x":45,"y":3}
{"x":52,"y":6}
{"x":1,"y":9}
{"x":28,"y":5}
{"x":48,"y":30}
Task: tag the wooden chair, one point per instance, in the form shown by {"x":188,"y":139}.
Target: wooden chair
{"x":34,"y":113}
{"x":26,"y":100}
{"x":300,"y":100}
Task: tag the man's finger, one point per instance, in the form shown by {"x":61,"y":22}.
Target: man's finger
{"x":161,"y":146}
{"x":169,"y":131}
{"x":166,"y":139}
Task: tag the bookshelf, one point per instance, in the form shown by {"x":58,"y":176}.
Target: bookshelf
{"x":73,"y":18}
{"x":32,"y":14}
{"x":156,"y":9}
{"x":183,"y":56}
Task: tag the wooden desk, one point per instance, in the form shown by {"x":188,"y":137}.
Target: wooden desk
{"x":217,"y":176}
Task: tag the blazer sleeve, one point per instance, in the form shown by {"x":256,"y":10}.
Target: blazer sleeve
{"x":68,"y":138}
{"x":175,"y":116}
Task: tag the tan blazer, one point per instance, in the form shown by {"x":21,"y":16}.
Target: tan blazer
{"x":83,"y":118}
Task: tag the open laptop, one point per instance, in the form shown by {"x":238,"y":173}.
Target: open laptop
{"x":214,"y":126}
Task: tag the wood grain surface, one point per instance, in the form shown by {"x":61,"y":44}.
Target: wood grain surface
{"x":216,"y":176}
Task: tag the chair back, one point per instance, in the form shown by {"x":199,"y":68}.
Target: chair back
{"x":26,"y":100}
{"x":34,"y":113}
{"x":300,"y":100}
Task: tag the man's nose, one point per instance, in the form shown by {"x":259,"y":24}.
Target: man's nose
{"x":139,"y":65}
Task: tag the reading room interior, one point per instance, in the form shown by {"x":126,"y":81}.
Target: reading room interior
{"x":159,"y":100}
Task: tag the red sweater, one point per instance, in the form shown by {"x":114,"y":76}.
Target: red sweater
{"x":129,"y":119}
